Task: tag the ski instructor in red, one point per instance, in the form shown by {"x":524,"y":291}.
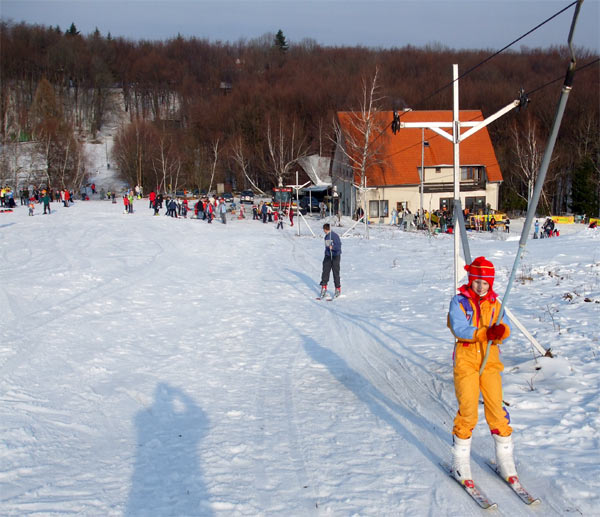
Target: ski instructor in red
{"x":473,"y":319}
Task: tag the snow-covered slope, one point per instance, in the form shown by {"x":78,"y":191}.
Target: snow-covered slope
{"x":157,"y":366}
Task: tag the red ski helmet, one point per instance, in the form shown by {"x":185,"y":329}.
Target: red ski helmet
{"x":483,"y":269}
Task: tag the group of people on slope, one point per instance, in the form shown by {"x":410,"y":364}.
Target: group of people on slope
{"x":209,"y":208}
{"x":548,"y":229}
{"x":267,"y":214}
{"x":7,"y":199}
{"x":36,"y":195}
{"x":205,"y":209}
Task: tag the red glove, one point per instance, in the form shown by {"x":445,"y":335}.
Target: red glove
{"x":496,"y":332}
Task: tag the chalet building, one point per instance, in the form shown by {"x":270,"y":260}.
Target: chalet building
{"x":393,"y":172}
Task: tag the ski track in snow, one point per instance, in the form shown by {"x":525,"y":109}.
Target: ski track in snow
{"x":158,"y":366}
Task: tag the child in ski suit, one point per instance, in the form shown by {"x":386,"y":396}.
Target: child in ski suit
{"x":473,"y":319}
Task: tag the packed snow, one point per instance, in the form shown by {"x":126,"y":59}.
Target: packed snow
{"x":153,"y":366}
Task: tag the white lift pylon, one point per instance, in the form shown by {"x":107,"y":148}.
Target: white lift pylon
{"x":456,"y":138}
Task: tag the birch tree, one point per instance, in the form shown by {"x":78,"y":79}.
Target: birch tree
{"x":358,"y":140}
{"x":528,"y":151}
{"x":238,"y":154}
{"x":215,"y":160}
{"x":285,"y":147}
{"x":167,"y":164}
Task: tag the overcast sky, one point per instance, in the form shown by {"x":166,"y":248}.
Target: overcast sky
{"x":488,"y":24}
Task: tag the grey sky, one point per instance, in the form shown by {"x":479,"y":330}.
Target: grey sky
{"x":488,"y":24}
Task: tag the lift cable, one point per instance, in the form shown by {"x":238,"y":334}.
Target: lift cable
{"x":480,"y":64}
{"x":498,"y":52}
{"x":579,"y":69}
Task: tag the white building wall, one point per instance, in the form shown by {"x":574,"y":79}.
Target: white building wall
{"x":431,"y":201}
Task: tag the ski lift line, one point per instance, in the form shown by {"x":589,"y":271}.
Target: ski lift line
{"x":498,"y":52}
{"x":481,"y":63}
{"x":467,"y":254}
{"x":433,"y":125}
{"x":541,"y":176}
{"x":468,"y":123}
{"x":511,"y":105}
{"x":579,"y":70}
{"x":472,"y":124}
{"x":478,"y":124}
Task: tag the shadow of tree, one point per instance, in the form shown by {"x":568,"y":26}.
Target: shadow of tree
{"x":167,"y":478}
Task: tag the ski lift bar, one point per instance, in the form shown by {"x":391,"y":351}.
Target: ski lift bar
{"x":537,"y":191}
{"x":514,"y":104}
{"x":475,"y":126}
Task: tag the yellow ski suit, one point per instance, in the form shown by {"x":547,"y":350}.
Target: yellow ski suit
{"x":469,"y":318}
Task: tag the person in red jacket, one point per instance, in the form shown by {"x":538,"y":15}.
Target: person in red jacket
{"x":184,"y":208}
{"x":152,"y":198}
{"x":209,"y":210}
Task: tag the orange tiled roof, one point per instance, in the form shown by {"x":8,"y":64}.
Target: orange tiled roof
{"x":400,"y":154}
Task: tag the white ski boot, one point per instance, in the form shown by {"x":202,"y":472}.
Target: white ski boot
{"x":461,"y":461}
{"x":505,"y":462}
{"x":323,"y":291}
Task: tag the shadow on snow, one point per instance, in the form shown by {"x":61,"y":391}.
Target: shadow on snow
{"x":167,"y":478}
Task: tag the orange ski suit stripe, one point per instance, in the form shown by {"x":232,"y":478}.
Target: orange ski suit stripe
{"x":469,"y":327}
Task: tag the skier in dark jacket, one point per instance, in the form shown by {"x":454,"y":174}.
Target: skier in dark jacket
{"x":264,"y":210}
{"x":331,"y":260}
{"x":46,"y":201}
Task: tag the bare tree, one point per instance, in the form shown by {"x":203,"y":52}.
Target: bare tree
{"x":528,"y":151}
{"x":357,"y":137}
{"x":167,"y":164}
{"x":286,"y":147}
{"x":134,"y":151}
{"x":215,"y":153}
{"x":239,"y":157}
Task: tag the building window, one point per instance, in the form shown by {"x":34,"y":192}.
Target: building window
{"x":438,"y":170}
{"x":378,"y":208}
{"x":475,"y":204}
{"x":470,"y":173}
{"x":447,"y":204}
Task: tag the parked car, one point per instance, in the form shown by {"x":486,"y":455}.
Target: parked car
{"x":247,"y":196}
{"x":228,"y":197}
{"x":314,"y":204}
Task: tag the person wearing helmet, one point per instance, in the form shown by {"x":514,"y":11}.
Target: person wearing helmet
{"x":473,"y":320}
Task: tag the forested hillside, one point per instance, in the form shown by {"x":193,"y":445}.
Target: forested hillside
{"x":198,"y":109}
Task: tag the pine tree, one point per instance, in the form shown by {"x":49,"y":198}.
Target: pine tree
{"x":584,"y":194}
{"x":72,"y":31}
{"x":280,"y":41}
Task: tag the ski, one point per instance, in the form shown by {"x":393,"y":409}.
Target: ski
{"x":516,"y":486}
{"x":473,"y":490}
{"x":324,"y":295}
